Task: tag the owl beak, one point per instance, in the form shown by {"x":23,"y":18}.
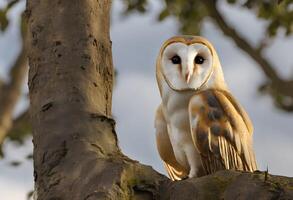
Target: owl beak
{"x":187,"y":77}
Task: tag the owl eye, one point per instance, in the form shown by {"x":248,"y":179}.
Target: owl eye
{"x":199,"y":59}
{"x":176,"y":59}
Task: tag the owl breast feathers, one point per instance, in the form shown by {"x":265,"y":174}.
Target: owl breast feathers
{"x":200,"y":127}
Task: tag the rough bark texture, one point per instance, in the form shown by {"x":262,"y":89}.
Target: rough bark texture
{"x":76,"y":155}
{"x":231,"y":185}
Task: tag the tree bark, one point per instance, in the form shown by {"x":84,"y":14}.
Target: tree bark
{"x":76,"y":155}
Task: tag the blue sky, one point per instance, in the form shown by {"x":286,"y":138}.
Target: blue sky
{"x":136,"y":42}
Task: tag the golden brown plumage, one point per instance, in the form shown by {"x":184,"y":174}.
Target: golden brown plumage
{"x":223,"y":132}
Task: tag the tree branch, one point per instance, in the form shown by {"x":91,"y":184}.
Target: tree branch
{"x":240,"y":41}
{"x":10,"y":94}
{"x":280,"y":89}
{"x":21,"y":128}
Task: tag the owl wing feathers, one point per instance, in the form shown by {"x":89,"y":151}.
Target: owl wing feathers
{"x":221,"y":131}
{"x":174,"y":169}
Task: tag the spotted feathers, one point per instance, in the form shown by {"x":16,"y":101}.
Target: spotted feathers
{"x":221,"y":133}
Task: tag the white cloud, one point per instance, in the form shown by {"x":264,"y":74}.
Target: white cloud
{"x":137,"y":40}
{"x":134,"y":103}
{"x":12,"y":190}
{"x":16,"y":182}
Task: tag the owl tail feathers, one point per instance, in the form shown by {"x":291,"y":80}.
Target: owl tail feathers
{"x":175,"y":175}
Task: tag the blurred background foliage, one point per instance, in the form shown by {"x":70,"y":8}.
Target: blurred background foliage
{"x":190,"y":15}
{"x":278,"y":15}
{"x":14,"y":127}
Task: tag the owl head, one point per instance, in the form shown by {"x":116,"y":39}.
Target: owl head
{"x":189,"y":63}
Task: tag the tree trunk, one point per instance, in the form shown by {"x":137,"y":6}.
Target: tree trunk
{"x":76,"y":156}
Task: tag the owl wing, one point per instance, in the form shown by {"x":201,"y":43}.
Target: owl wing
{"x":222,"y":132}
{"x":174,"y":169}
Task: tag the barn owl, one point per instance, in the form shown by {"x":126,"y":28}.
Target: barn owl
{"x":200,"y":126}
